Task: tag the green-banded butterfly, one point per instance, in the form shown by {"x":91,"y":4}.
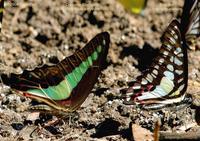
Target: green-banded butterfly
{"x":63,"y":87}
{"x":165,"y":82}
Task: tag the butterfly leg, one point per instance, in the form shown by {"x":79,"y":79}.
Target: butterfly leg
{"x":72,"y":118}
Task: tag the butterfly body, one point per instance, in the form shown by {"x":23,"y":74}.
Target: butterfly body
{"x":64,"y":86}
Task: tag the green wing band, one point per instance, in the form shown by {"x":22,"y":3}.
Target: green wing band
{"x":64,"y":88}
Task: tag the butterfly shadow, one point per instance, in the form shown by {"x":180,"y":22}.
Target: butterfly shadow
{"x":110,"y":127}
{"x":144,"y":56}
{"x":197,"y":113}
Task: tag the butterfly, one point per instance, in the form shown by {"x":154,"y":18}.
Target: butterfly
{"x":165,"y":82}
{"x":63,"y":87}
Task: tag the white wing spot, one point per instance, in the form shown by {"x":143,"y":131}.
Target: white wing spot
{"x":172,"y":59}
{"x":179,"y":72}
{"x":161,"y":60}
{"x":177,"y":51}
{"x":166,"y":53}
{"x":173,"y":32}
{"x":177,"y":61}
{"x":176,"y":36}
{"x":136,"y":87}
{"x":152,"y":74}
{"x":175,"y":27}
{"x":181,"y":87}
{"x":155,"y":72}
{"x":173,"y":40}
{"x":170,"y":67}
{"x":144,"y":81}
{"x":104,"y":42}
{"x":169,"y":75}
{"x":156,"y":67}
{"x":149,"y":78}
{"x":169,"y":47}
{"x":180,"y":55}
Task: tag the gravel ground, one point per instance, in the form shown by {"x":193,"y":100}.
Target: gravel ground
{"x":44,"y":31}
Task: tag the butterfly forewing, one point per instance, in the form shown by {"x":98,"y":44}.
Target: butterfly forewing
{"x":167,"y":76}
{"x":99,"y":56}
{"x":67,"y":84}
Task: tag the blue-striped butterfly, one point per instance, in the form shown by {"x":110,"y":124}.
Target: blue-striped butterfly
{"x":60,"y":89}
{"x":165,"y":82}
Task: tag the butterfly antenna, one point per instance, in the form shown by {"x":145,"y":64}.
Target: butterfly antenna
{"x":157,"y":130}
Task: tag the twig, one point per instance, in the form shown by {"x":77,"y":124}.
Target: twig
{"x":189,"y":136}
{"x":156,"y":130}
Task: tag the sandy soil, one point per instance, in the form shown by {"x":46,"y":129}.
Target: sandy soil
{"x":45,"y":31}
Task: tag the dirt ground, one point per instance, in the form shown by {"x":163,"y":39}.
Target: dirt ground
{"x":44,"y":31}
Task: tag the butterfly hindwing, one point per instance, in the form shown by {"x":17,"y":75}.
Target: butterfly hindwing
{"x":167,"y":76}
{"x":67,"y":84}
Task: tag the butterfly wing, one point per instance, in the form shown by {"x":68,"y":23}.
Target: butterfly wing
{"x":190,"y":20}
{"x":166,"y":80}
{"x":84,"y":87}
{"x":65,"y":85}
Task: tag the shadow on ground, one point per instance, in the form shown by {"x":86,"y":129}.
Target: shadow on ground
{"x":144,"y":56}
